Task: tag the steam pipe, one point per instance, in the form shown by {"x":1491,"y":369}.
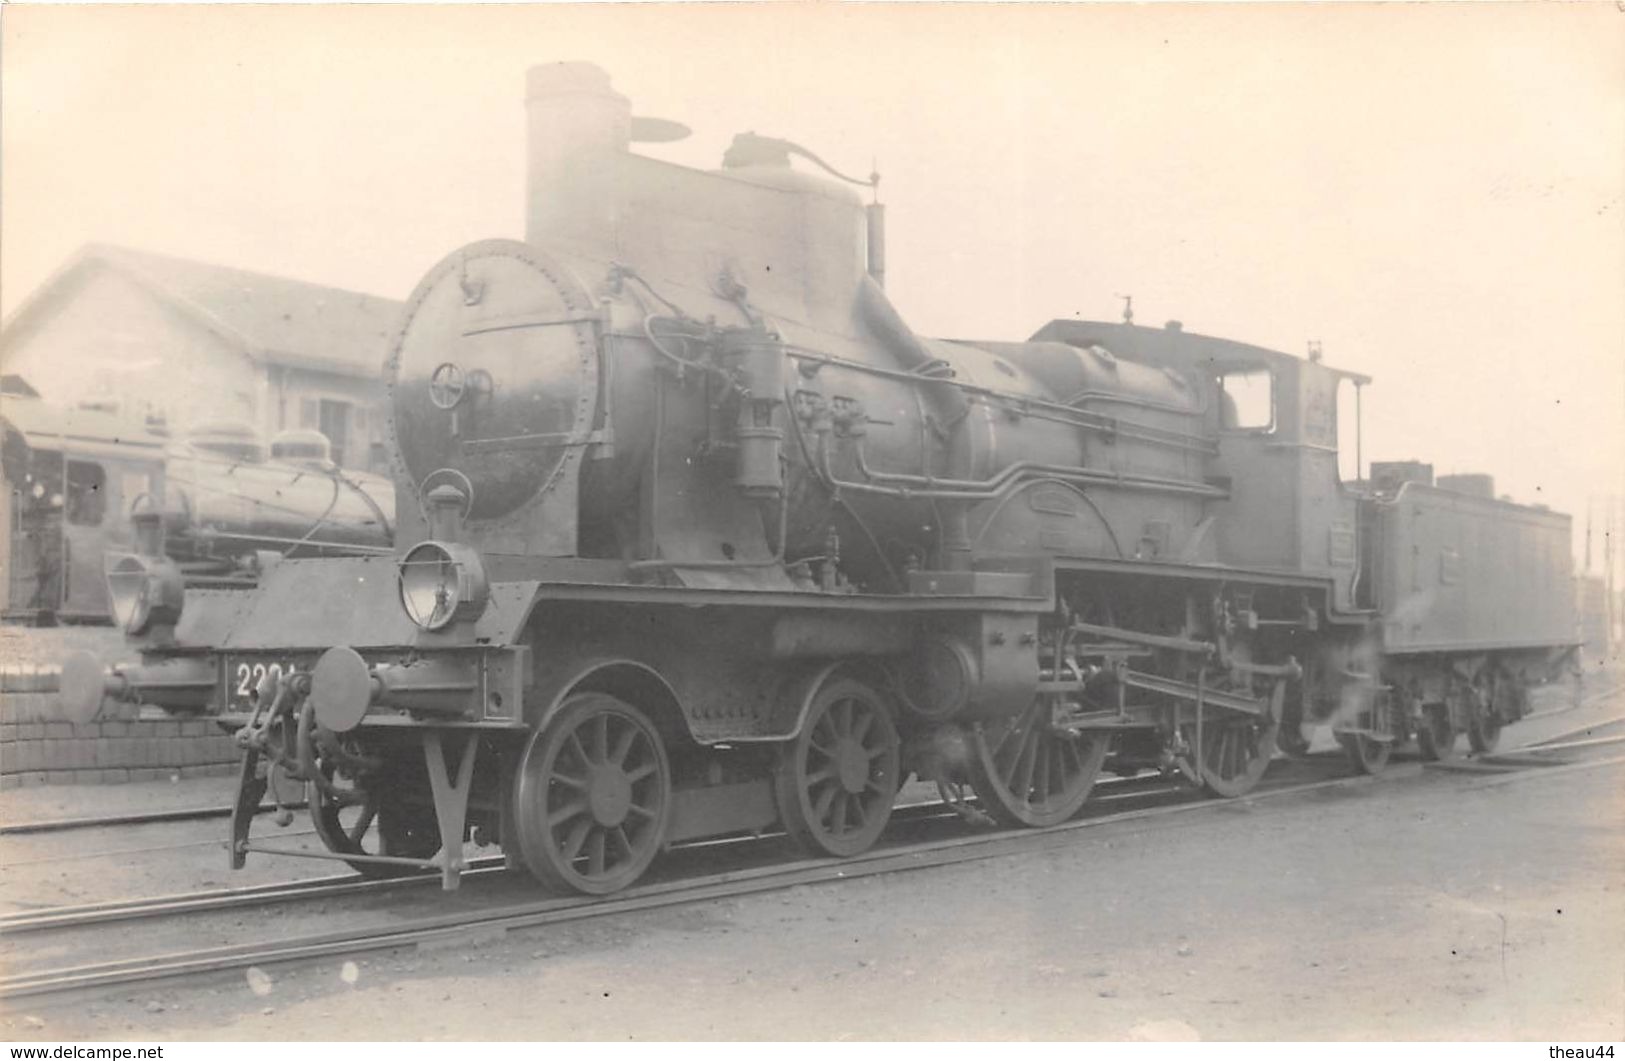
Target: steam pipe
{"x":925,"y":486}
{"x":875,"y":217}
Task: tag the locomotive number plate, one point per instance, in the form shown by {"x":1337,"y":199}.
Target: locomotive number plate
{"x":244,"y":675}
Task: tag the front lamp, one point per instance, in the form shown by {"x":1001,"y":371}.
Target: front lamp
{"x":443,"y":583}
{"x":143,"y":592}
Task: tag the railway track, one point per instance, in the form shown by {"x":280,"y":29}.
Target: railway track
{"x":485,"y":922}
{"x":351,"y":884}
{"x":1108,"y":791}
{"x":898,"y":853}
{"x":191,"y":814}
{"x":1582,"y":736}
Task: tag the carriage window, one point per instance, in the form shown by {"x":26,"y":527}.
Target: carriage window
{"x":1247,"y":397}
{"x":86,"y":502}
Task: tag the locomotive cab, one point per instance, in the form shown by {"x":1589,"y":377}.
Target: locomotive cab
{"x":1275,"y":419}
{"x":1278,"y":432}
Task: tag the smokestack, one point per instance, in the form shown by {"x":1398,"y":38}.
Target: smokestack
{"x":577,"y":125}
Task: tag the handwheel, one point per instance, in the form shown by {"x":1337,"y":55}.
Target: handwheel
{"x":592,"y":796}
{"x":1025,"y":773}
{"x":835,"y":783}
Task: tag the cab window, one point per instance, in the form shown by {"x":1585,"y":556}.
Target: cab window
{"x":1247,"y":399}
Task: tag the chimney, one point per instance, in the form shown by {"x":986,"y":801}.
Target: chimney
{"x":577,"y":126}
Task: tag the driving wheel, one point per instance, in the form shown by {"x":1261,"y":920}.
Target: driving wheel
{"x":592,"y":796}
{"x":1027,"y":773}
{"x":835,"y":783}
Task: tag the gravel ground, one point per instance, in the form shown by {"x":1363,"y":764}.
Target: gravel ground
{"x":49,"y":803}
{"x":1376,"y":913}
{"x":1447,"y":907}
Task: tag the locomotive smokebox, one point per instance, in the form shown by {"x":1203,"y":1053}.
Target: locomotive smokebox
{"x":577,"y":124}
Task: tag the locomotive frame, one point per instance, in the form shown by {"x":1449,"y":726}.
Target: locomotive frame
{"x":697,"y":537}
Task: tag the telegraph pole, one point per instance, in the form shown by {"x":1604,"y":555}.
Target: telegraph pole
{"x":1609,"y":535}
{"x":1585,"y":568}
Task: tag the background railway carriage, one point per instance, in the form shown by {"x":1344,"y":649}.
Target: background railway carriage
{"x":227,"y":503}
{"x":696,"y":535}
{"x":71,"y":475}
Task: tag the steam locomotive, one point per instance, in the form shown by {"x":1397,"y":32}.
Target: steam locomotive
{"x":229,"y":503}
{"x":698,"y":537}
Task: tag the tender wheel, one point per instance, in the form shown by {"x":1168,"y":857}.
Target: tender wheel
{"x":1368,"y":754}
{"x":1027,"y":774}
{"x":836,"y":781}
{"x":592,"y":796}
{"x":354,"y":819}
{"x":1375,"y":731}
{"x":1289,"y":736}
{"x":1235,"y":754}
{"x":1483,"y":724}
{"x":1436,"y":736}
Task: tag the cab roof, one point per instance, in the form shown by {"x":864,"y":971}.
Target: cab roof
{"x":1173,"y":346}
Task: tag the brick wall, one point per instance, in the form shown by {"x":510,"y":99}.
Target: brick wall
{"x":37,"y":748}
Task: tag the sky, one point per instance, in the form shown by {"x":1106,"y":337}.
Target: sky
{"x":1435,"y":193}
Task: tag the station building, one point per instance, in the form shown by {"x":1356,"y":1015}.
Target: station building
{"x":177,"y":343}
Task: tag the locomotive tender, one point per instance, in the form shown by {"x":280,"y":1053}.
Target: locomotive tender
{"x":696,"y":536}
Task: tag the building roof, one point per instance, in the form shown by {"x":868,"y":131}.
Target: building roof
{"x":274,"y":319}
{"x":46,"y":426}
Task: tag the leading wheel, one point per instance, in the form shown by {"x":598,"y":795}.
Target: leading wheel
{"x":592,"y":796}
{"x":835,"y":783}
{"x":1026,"y":773}
{"x":363,"y":817}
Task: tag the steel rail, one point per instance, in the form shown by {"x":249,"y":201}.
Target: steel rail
{"x":728,"y":884}
{"x":1557,"y":740}
{"x":1588,"y":697}
{"x":1569,"y":745}
{"x":187,"y":814}
{"x":1507,"y":777}
{"x":343,"y":885}
{"x":79,"y":915}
